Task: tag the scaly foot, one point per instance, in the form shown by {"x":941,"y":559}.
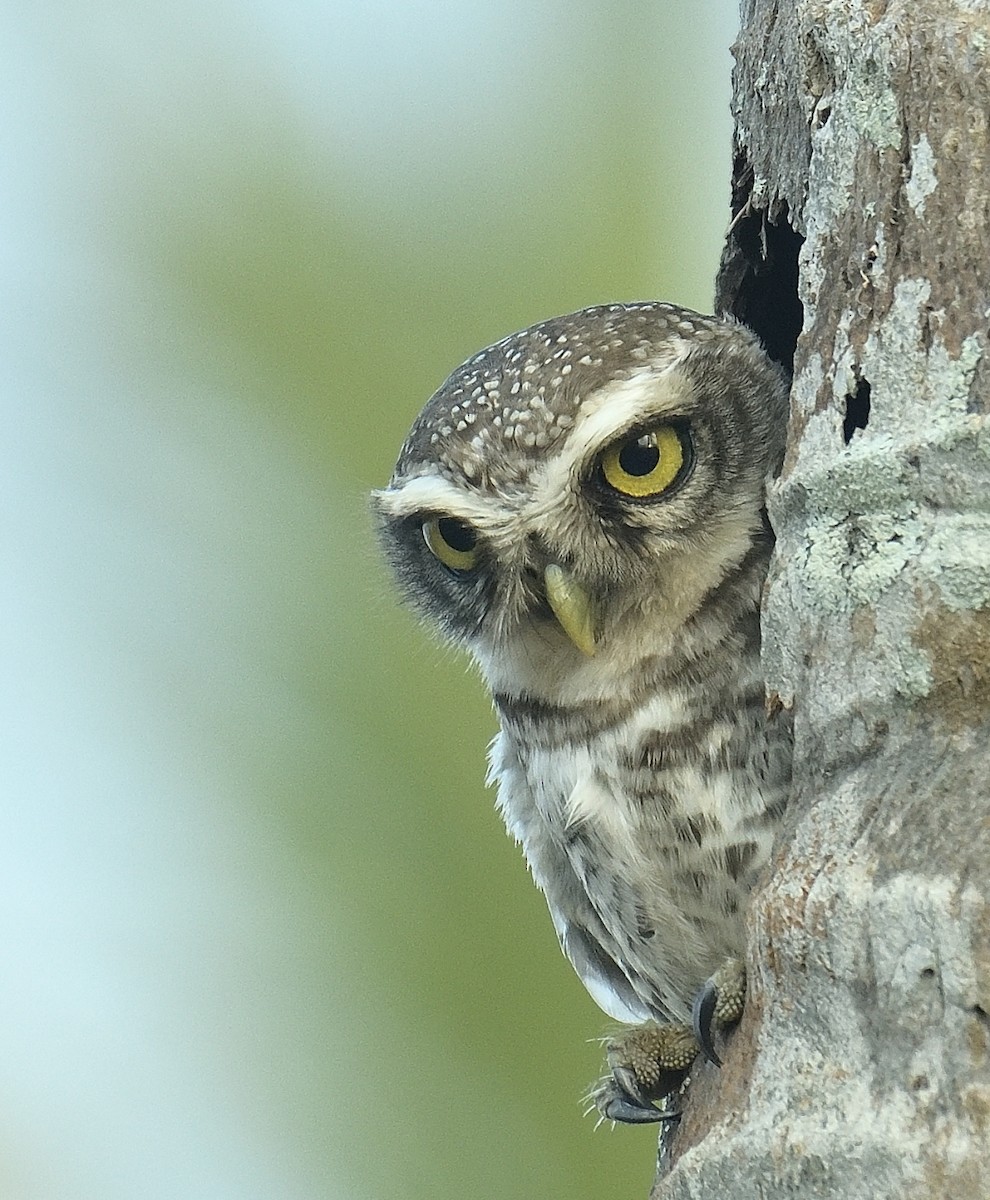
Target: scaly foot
{"x":647,"y":1063}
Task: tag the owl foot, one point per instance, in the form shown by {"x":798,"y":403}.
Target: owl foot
{"x":719,"y":1003}
{"x":647,"y":1063}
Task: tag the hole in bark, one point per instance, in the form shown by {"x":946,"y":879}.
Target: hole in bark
{"x":857,"y":410}
{"x":920,"y":1083}
{"x":979,"y":1012}
{"x":928,"y":973}
{"x":758,"y":276}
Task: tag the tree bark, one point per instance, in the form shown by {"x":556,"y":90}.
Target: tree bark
{"x":862,"y":192}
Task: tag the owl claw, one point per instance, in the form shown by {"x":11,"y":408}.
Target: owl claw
{"x":702,"y":1013}
{"x":647,"y":1063}
{"x":630,"y":1112}
{"x":628,"y":1087}
{"x":719,"y":1003}
{"x":617,"y":1097}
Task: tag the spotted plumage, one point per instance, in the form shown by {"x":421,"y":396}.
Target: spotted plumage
{"x":581,"y":506}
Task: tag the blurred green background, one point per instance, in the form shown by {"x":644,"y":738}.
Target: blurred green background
{"x":262,"y":932}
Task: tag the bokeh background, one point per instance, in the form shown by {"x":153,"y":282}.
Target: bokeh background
{"x":261,"y":932}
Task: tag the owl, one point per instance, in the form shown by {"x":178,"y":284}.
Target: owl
{"x":582,"y":507}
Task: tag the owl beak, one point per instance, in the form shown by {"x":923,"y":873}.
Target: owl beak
{"x":572,"y":606}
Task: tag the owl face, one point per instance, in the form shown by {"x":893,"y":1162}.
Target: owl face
{"x":569,"y":496}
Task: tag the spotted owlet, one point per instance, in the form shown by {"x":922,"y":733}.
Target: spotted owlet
{"x":581,"y":506}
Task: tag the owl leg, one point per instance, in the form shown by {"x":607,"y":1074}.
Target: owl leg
{"x":719,"y":1003}
{"x":646,"y":1063}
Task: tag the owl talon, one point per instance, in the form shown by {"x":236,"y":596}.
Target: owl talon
{"x":702,"y":1014}
{"x":647,"y":1063}
{"x":618,"y":1097}
{"x":617,"y":1107}
{"x":719,"y":1003}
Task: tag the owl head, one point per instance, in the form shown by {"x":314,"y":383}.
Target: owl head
{"x":569,"y":497}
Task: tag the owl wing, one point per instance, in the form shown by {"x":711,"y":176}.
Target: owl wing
{"x":599,"y":972}
{"x":583,"y":937}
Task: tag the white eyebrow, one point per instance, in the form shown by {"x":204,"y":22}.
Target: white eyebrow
{"x":431,"y":493}
{"x":650,"y":394}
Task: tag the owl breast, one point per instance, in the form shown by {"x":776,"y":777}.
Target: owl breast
{"x":647,"y":817}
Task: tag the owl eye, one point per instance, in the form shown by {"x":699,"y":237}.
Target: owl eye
{"x":454,"y":543}
{"x":647,"y":465}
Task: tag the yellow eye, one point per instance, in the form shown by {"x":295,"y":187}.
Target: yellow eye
{"x":646,"y":465}
{"x":453,"y":542}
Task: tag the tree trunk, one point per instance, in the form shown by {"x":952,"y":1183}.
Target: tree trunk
{"x":862,"y":192}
